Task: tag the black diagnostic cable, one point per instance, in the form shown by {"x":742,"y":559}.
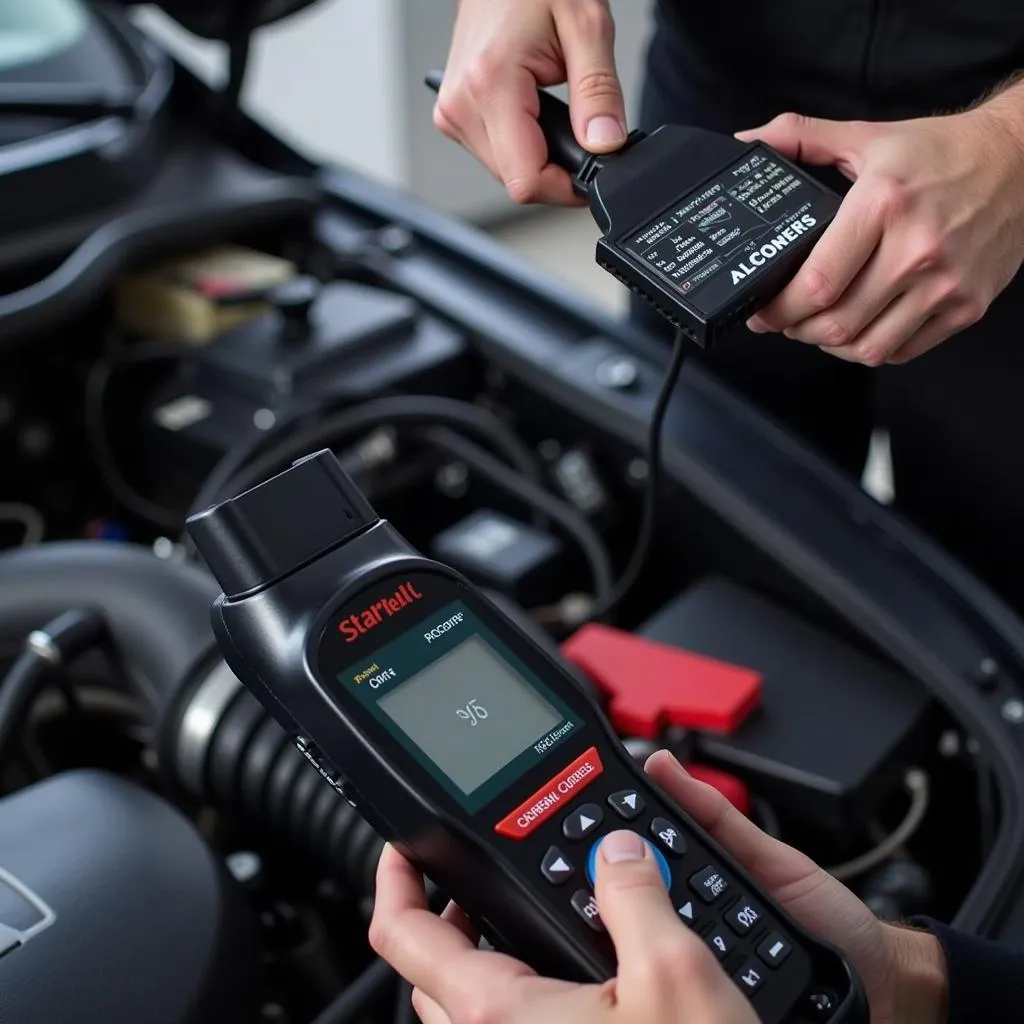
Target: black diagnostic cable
{"x":51,"y":648}
{"x":652,"y":490}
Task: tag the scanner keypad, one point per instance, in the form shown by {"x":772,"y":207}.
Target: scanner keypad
{"x":734,"y":926}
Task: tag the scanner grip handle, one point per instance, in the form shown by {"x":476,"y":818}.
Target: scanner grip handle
{"x":556,"y":124}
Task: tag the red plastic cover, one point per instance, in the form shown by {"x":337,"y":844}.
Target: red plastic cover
{"x":651,"y":686}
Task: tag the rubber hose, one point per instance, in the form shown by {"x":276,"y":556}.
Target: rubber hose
{"x":63,"y":639}
{"x":157,"y":611}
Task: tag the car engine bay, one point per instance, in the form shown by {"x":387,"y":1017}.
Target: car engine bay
{"x":166,"y":854}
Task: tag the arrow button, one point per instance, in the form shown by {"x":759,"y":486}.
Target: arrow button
{"x":582,"y":822}
{"x":556,"y":867}
{"x":688,"y":914}
{"x":627,"y":803}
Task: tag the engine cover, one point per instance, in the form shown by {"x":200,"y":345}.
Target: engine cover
{"x":113,"y":909}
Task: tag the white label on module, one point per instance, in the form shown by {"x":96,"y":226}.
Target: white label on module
{"x":772,"y":248}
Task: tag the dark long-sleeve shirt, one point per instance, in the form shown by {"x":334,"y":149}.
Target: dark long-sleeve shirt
{"x":986,"y":979}
{"x":842,"y":59}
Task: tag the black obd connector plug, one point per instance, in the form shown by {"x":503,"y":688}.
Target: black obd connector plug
{"x":704,"y":227}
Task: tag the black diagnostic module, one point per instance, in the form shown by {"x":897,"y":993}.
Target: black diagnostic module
{"x":470,"y":747}
{"x":706,"y":228}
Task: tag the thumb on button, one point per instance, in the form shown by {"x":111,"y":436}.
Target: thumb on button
{"x":665,"y":971}
{"x":631,"y":894}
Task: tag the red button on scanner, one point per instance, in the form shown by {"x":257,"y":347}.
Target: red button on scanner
{"x":565,"y":786}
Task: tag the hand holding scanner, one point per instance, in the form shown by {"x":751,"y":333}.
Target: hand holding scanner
{"x":472,"y":749}
{"x":706,"y":228}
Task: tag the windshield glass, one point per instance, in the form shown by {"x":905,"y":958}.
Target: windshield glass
{"x":34,"y":30}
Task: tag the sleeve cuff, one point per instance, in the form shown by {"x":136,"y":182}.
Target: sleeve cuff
{"x":986,"y":979}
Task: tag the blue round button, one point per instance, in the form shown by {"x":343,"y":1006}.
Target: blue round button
{"x":659,"y":858}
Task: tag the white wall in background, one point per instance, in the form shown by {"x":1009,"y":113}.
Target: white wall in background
{"x":342,"y":82}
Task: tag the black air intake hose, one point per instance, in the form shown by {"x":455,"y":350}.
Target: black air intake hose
{"x":228,"y":752}
{"x":217,"y":744}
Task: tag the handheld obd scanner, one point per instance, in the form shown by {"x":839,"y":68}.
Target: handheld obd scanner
{"x":706,"y":228}
{"x":474,"y":751}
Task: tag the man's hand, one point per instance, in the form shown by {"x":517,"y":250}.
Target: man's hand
{"x":903,"y":971}
{"x":501,"y":51}
{"x":931,"y":231}
{"x":666,"y":973}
